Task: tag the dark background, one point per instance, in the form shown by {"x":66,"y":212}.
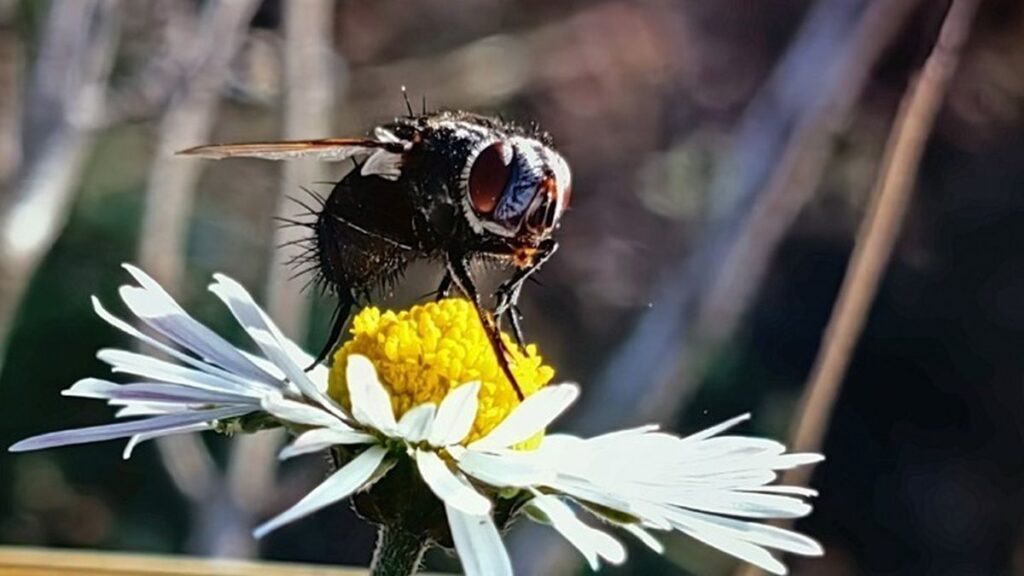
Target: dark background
{"x":678,"y":118}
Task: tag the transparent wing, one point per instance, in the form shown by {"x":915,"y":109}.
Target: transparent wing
{"x":327,"y":150}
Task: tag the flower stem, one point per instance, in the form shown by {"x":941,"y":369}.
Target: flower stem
{"x":398,"y":552}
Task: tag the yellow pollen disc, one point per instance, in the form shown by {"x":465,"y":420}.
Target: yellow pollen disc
{"x":422,"y":353}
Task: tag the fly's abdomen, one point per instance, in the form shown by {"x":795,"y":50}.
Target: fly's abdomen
{"x":365,"y":235}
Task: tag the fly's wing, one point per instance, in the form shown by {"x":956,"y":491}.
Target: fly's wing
{"x":383,"y":157}
{"x":328,"y":149}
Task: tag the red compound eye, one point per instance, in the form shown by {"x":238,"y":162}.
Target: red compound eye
{"x":487,"y":178}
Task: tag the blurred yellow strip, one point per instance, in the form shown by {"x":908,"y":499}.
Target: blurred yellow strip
{"x":20,"y":561}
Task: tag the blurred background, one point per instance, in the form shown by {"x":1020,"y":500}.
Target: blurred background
{"x":724,"y":156}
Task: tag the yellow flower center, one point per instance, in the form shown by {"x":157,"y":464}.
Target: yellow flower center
{"x":423,"y":353}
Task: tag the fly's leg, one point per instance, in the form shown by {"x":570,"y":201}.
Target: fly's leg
{"x":338,"y":320}
{"x":458,"y":271}
{"x":508,"y":292}
{"x":514,"y":317}
{"x":445,"y":287}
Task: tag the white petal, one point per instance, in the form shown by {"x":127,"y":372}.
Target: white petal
{"x":455,"y":415}
{"x":744,"y":504}
{"x":91,"y":388}
{"x":299,"y":413}
{"x":791,"y":490}
{"x":451,"y":489}
{"x":249,"y":313}
{"x":415,"y":424}
{"x":296,"y":374}
{"x":134,"y":441}
{"x":147,"y":392}
{"x":154,"y":306}
{"x":592,"y":543}
{"x":645,"y":537}
{"x":371,"y":404}
{"x":728,"y":542}
{"x":127,"y":429}
{"x":587,"y":492}
{"x":478,"y":544}
{"x":171,"y":351}
{"x":757,"y":533}
{"x":530,"y":417}
{"x":502,"y":470}
{"x":161,"y":370}
{"x":717,"y":428}
{"x":337,"y":487}
{"x":322,"y":439}
{"x":142,"y":409}
{"x":287,"y":356}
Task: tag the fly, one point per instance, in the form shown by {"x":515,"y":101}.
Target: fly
{"x":450,"y":187}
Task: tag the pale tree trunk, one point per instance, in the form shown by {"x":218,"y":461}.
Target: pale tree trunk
{"x":12,"y":55}
{"x":170,"y":192}
{"x":63,"y":107}
{"x":309,"y":63}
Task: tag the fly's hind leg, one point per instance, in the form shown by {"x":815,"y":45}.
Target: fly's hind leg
{"x":445,"y":287}
{"x":338,"y":321}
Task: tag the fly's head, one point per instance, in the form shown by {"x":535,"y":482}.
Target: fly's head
{"x":506,"y":182}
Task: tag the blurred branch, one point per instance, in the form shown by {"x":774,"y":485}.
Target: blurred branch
{"x":169,"y":198}
{"x":11,"y":71}
{"x":877,"y":236}
{"x":190,"y":466}
{"x":779,"y":152}
{"x":148,"y":92}
{"x":796,"y":176}
{"x":187,"y":122}
{"x":879,"y":231}
{"x":821,"y":72}
{"x":309,"y":63}
{"x":65,"y":100}
{"x":310,"y":66}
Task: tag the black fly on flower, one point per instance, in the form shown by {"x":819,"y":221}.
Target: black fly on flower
{"x":449,"y":187}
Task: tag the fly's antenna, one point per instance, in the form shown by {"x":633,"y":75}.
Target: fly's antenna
{"x":408,"y":105}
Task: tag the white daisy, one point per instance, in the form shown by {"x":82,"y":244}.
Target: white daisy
{"x":210,"y":381}
{"x":709,"y":486}
{"x":471,"y":450}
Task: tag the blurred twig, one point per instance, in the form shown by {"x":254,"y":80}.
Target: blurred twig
{"x":879,"y":231}
{"x":62,"y":108}
{"x":877,"y":235}
{"x":187,"y":122}
{"x":796,"y":176}
{"x":808,"y":97}
{"x":820,"y":74}
{"x":309,"y":64}
{"x":11,"y":71}
{"x":169,"y":197}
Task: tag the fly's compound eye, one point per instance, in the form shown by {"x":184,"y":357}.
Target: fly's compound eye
{"x":488,"y":177}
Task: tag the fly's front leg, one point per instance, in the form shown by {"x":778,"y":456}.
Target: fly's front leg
{"x":458,"y":271}
{"x":508,"y":292}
